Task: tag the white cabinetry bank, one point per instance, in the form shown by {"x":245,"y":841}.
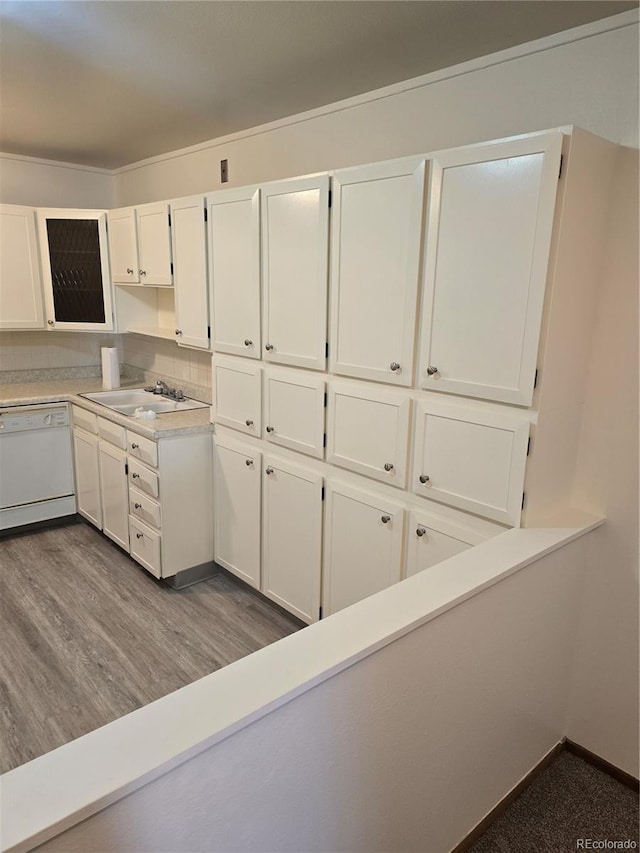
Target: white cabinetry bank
{"x":452,"y":276}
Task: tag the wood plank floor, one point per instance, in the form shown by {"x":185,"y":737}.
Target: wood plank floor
{"x":86,"y":636}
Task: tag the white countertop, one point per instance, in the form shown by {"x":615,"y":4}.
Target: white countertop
{"x":68,"y":391}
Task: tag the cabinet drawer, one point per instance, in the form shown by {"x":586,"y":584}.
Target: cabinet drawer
{"x":473,"y":459}
{"x":143,"y":508}
{"x":144,"y":479}
{"x":85,"y":420}
{"x":368,"y":432}
{"x":113,"y":433}
{"x":294,"y":411}
{"x":142,"y":448}
{"x":237,"y":399}
{"x":145,"y":546}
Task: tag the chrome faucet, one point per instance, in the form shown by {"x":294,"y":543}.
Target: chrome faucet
{"x":161,"y":388}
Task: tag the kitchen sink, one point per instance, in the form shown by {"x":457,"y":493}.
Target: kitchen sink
{"x":127,"y":400}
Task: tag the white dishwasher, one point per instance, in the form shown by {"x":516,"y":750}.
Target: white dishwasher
{"x":36,"y":464}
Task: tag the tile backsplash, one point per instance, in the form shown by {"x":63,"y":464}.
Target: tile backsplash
{"x":36,"y":356}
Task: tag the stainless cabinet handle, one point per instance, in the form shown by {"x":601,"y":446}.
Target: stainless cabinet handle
{"x":388,"y":466}
{"x":135,"y":476}
{"x":424,"y":478}
{"x":50,"y":322}
{"x":248,"y":462}
{"x":178,"y":331}
{"x":394,"y":366}
{"x":420,"y":531}
{"x":385,"y":519}
{"x":142,"y":272}
{"x":139,"y":536}
{"x":137,"y":506}
{"x":431,"y":371}
{"x":129,"y":271}
{"x":270,"y":429}
{"x":269,"y":470}
{"x":134,"y":446}
{"x":248,"y":343}
{"x":249,"y":423}
{"x":268,"y":347}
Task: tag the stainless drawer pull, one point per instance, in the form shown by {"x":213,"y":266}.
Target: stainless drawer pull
{"x":388,"y":466}
{"x":271,"y":429}
{"x":268,"y":347}
{"x":248,"y":343}
{"x":431,"y":371}
{"x":394,"y":366}
{"x":420,"y":531}
{"x":269,"y":470}
{"x":129,"y":271}
{"x":424,"y":478}
{"x":249,"y":423}
{"x":134,"y":446}
{"x":248,"y":462}
{"x":135,"y":476}
{"x":139,"y":536}
{"x":137,"y":506}
{"x":385,"y":519}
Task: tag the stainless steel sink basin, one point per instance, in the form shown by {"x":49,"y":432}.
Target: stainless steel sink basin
{"x":127,"y":400}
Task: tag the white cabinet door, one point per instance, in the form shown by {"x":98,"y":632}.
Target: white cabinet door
{"x":362,"y":546}
{"x":189,"y":244}
{"x":123,"y":245}
{"x":236,"y":509}
{"x":376,"y":235}
{"x":488,"y":236}
{"x":427,"y":546}
{"x":114,"y":490}
{"x":295,"y":220}
{"x":20,"y":281}
{"x":154,"y":244}
{"x":292,"y":537}
{"x":75,"y":269}
{"x":368,"y":431}
{"x":85,"y":449}
{"x":471,"y":458}
{"x":234,"y":264}
{"x":294,"y":410}
{"x":237,"y":394}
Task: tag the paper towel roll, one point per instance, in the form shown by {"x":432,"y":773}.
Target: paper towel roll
{"x":110,"y":368}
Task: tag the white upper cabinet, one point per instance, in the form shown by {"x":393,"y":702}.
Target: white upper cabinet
{"x":75,"y":269}
{"x":376,"y":232}
{"x":189,"y":248}
{"x":234,"y":264}
{"x":471,"y":457}
{"x":294,"y":410}
{"x":295,"y":220}
{"x":237,"y":394}
{"x":292,"y":537}
{"x":154,"y":244}
{"x":236,"y":509}
{"x":362,"y":546}
{"x":488,"y":232}
{"x":368,"y":431}
{"x":123,"y":245}
{"x":20,"y":281}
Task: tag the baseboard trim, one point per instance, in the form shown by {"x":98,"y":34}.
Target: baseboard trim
{"x":506,"y":801}
{"x":582,"y":752}
{"x":602,"y":764}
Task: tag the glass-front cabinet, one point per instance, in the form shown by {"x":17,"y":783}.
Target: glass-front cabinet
{"x":75,"y":269}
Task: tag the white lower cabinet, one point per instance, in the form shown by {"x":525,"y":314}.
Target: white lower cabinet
{"x":145,"y":546}
{"x":85,"y":449}
{"x":292,"y":537}
{"x":427,"y":546}
{"x":471,"y":458}
{"x":362,"y":546}
{"x":115,"y":493}
{"x":237,"y":471}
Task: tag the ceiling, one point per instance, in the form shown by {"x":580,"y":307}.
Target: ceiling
{"x":109,"y":83}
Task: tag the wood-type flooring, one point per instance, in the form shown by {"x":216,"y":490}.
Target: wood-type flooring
{"x":87,"y":635}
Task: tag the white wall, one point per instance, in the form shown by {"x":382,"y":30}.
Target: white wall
{"x":45,"y":183}
{"x":603,"y":714}
{"x":591,"y":82}
{"x":405,"y":750}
